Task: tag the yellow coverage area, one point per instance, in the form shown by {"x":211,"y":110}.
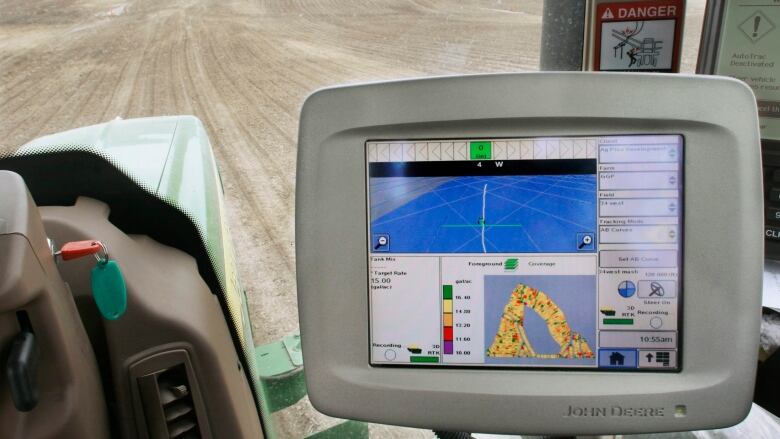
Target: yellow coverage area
{"x":511,"y":340}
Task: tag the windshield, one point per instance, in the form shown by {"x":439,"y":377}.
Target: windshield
{"x":244,"y":69}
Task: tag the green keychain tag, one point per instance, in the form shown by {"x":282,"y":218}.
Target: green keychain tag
{"x":109,"y":290}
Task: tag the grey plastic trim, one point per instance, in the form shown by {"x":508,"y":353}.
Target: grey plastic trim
{"x":710,"y":37}
{"x":723,"y":253}
{"x":563,"y":35}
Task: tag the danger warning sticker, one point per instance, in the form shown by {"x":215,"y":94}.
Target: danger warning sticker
{"x":638,"y":36}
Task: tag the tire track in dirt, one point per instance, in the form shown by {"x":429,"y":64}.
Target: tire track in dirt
{"x":112,"y":96}
{"x":229,"y":161}
{"x":138,"y":90}
{"x":84,"y":95}
{"x":262,"y":153}
{"x":33,"y":119}
{"x":254,"y":247}
{"x":178,"y":69}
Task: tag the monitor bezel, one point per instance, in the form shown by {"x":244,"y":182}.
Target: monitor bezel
{"x":722,"y":169}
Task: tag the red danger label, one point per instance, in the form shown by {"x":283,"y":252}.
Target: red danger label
{"x":636,"y":11}
{"x":638,"y":36}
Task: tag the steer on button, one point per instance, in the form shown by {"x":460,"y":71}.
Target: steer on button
{"x":773,"y":214}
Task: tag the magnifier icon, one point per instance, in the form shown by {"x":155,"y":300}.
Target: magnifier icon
{"x":380,"y":242}
{"x":586,"y":240}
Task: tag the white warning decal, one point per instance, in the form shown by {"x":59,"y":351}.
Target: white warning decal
{"x":633,"y":35}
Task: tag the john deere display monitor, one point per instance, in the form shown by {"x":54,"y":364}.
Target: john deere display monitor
{"x":539,"y":253}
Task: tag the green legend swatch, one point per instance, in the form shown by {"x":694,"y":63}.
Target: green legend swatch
{"x":423,"y":359}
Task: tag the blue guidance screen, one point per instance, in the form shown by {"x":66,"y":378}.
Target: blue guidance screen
{"x":560,"y":252}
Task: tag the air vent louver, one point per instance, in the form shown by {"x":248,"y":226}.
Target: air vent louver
{"x":176,"y":400}
{"x":168,"y":404}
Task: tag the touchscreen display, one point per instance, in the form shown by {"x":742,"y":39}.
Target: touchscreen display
{"x":554,"y":252}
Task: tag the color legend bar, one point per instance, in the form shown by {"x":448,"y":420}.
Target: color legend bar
{"x":447,"y":319}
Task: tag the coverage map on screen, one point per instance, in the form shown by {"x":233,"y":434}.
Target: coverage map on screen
{"x":525,"y":252}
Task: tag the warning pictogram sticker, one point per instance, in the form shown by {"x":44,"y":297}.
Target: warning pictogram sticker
{"x":638,"y":36}
{"x":756,"y":26}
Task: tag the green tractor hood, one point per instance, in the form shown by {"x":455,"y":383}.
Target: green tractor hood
{"x":159,"y":177}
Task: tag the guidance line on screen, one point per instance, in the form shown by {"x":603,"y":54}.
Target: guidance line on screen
{"x":483,"y":219}
{"x":486,"y":225}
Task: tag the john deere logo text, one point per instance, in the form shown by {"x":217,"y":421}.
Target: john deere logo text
{"x":613,"y":412}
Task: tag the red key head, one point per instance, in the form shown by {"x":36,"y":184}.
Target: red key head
{"x":78,"y":249}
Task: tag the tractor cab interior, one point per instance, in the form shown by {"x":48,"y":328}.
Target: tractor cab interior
{"x":547,"y":253}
